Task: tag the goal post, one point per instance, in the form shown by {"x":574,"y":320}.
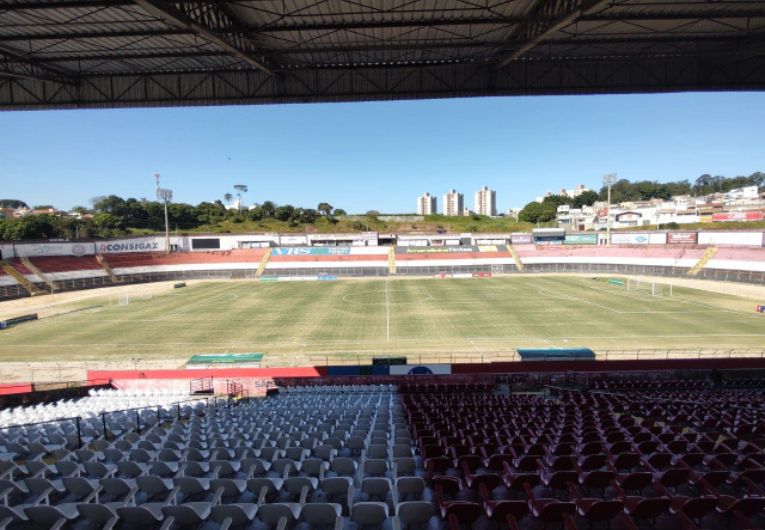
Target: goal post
{"x":649,"y":287}
{"x":129,"y":297}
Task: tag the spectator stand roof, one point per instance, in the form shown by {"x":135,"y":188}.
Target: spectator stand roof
{"x":124,"y":53}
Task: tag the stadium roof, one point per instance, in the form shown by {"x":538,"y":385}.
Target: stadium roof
{"x":119,"y":53}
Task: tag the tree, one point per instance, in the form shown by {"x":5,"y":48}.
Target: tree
{"x":339,"y":211}
{"x":557,"y":200}
{"x":241,"y":189}
{"x":227,"y":197}
{"x":535,"y":212}
{"x":283,"y":213}
{"x":12,"y":203}
{"x":587,"y":198}
{"x":43,"y":207}
{"x":269,"y":208}
{"x":325,"y":208}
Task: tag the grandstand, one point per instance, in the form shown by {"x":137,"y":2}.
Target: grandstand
{"x":626,"y":450}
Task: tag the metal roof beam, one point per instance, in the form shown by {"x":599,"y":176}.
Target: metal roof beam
{"x":204,"y":20}
{"x":94,"y":35}
{"x":562,"y":13}
{"x":19,"y":65}
{"x":74,"y":4}
{"x":754,"y":12}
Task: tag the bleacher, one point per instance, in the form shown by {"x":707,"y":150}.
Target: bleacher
{"x":629,"y":453}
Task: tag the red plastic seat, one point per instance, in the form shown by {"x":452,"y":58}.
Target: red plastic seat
{"x":507,"y":511}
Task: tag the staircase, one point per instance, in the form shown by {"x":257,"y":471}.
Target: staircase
{"x":203,"y":385}
{"x":709,"y":253}
{"x":105,"y":265}
{"x":37,"y":272}
{"x":516,"y":257}
{"x":392,"y":260}
{"x":263,"y":263}
{"x":21,"y":279}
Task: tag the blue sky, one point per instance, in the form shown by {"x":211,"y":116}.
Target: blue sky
{"x":362,"y":156}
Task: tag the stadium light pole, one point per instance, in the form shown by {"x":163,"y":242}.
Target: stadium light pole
{"x":608,"y":180}
{"x":165,"y":195}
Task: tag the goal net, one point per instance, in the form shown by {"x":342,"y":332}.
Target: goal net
{"x":129,"y":298}
{"x":649,"y":287}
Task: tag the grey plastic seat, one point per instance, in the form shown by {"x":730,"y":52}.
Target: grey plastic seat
{"x":192,"y":489}
{"x":103,"y":516}
{"x":264,"y":488}
{"x":10,"y":515}
{"x":338,"y":490}
{"x":412,"y":513}
{"x":376,"y":488}
{"x":52,"y":517}
{"x":156,"y":488}
{"x":325,"y":452}
{"x":298,"y":488}
{"x":375,"y":467}
{"x":345,"y":467}
{"x":274,"y":515}
{"x":117,"y":489}
{"x":188,"y":514}
{"x":232,"y":489}
{"x":402,"y":451}
{"x":146,"y":514}
{"x":322,"y":515}
{"x":369,"y":514}
{"x":408,"y":489}
{"x":377,"y":451}
{"x":404,"y":467}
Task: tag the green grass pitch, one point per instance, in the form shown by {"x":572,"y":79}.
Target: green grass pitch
{"x":412,"y":316}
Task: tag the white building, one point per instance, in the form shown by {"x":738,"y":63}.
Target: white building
{"x":576,"y":192}
{"x":453,"y":203}
{"x":485,"y":202}
{"x":426,"y":204}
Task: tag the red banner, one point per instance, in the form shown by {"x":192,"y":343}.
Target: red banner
{"x":738,"y":216}
{"x":681,"y":238}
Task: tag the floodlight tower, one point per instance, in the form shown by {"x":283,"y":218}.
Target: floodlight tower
{"x":165,"y":195}
{"x":608,"y":180}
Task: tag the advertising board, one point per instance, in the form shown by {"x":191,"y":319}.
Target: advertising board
{"x":311,"y":251}
{"x":681,"y":238}
{"x":293,"y":240}
{"x":421,"y":369}
{"x":436,"y":250}
{"x":34,"y":250}
{"x":738,"y":216}
{"x":630,"y":238}
{"x":142,"y":244}
{"x":520,"y":239}
{"x":581,"y":239}
{"x":743,"y":239}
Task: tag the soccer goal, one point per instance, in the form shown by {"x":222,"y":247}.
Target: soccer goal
{"x":129,"y":298}
{"x":649,"y":287}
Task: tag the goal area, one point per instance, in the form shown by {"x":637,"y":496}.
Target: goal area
{"x":649,"y":287}
{"x":129,"y":298}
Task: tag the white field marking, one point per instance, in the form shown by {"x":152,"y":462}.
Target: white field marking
{"x":387,"y":312}
{"x":475,"y":346}
{"x":543,"y":290}
{"x":674,"y":298}
{"x":223,"y":297}
{"x":348,"y":298}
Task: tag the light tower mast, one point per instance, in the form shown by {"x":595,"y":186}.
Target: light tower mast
{"x":165,"y":195}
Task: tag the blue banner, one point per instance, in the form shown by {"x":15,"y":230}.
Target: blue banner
{"x":311,"y":251}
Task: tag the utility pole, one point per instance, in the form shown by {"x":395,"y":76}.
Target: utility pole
{"x":608,"y":180}
{"x":165,"y":195}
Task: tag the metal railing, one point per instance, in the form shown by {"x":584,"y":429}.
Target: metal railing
{"x":105,"y":432}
